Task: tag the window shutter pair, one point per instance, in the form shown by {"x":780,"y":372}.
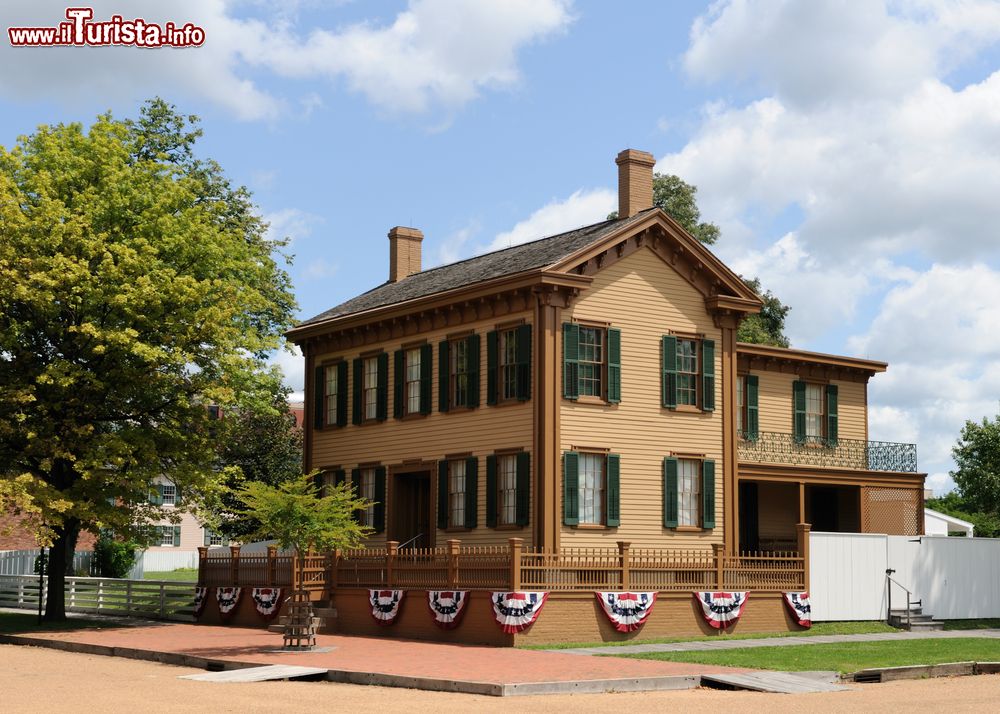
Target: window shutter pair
{"x":571,"y":489}
{"x":177,"y":536}
{"x":378,"y":512}
{"x":522,"y":487}
{"x":444,"y":373}
{"x":571,"y":363}
{"x":671,"y":496}
{"x":523,"y":356}
{"x":752,"y":428}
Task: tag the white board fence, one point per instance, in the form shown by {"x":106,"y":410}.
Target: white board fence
{"x":158,"y":599}
{"x":955,"y":578}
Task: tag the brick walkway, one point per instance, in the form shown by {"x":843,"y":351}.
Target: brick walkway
{"x":729,"y":644}
{"x":402,"y":658}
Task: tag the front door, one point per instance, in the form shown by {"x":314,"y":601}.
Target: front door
{"x":411,"y":509}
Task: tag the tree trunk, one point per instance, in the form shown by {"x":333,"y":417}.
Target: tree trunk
{"x":60,"y":558}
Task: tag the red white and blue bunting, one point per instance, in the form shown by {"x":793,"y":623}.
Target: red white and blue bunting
{"x":385,"y":605}
{"x":447,"y":607}
{"x":627,"y":611}
{"x":228,"y":599}
{"x":721,"y":609}
{"x":801,"y":608}
{"x":200,"y":596}
{"x":517,"y":611}
{"x":267,"y":601}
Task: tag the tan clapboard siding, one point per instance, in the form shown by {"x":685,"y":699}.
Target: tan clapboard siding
{"x":478,"y":432}
{"x":645,"y":298}
{"x":777,"y":511}
{"x":775,"y":403}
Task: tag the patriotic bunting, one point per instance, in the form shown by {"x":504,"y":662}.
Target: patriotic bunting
{"x":228,"y":599}
{"x":200,"y":595}
{"x":721,"y":609}
{"x":517,"y":611}
{"x":267,"y":601}
{"x":627,"y":611}
{"x":447,"y":607}
{"x":385,"y":605}
{"x":800,"y":607}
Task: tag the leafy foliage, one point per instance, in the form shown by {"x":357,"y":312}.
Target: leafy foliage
{"x":137,"y":286}
{"x":977,"y":456}
{"x":768,"y":326}
{"x":113,"y":558}
{"x":987,"y":525}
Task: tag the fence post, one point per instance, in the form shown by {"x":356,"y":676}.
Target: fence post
{"x":72,"y":592}
{"x":202,"y":564}
{"x":718,"y":552}
{"x":391,"y":548}
{"x":272,"y":553}
{"x":802,"y":533}
{"x":516,"y":544}
{"x":454,"y":545}
{"x":163,"y":603}
{"x":234,"y":565}
{"x":623,"y":563}
{"x":128,"y":597}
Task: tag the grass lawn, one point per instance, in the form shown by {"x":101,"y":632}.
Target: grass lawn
{"x":843,"y":657}
{"x":12,"y":623}
{"x":984,"y":624}
{"x":187,"y":575}
{"x":818,"y":628}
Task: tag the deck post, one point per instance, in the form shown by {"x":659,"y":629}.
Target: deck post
{"x":516,"y":544}
{"x":623,"y":563}
{"x":272,"y":565}
{"x":234,"y":565}
{"x":331,"y":579}
{"x":802,"y":532}
{"x":718,"y":552}
{"x":391,"y":548}
{"x":202,"y":557}
{"x":454,"y":546}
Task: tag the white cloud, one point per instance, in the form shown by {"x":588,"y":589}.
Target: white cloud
{"x":291,"y":223}
{"x":581,"y":208}
{"x":293,"y":366}
{"x":451,"y":247}
{"x":433,"y":54}
{"x":320,"y":269}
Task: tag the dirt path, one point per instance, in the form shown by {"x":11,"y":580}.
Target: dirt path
{"x":39,"y":680}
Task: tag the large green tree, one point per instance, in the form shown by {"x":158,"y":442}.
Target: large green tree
{"x":977,"y":458}
{"x":137,"y":286}
{"x":678,"y":199}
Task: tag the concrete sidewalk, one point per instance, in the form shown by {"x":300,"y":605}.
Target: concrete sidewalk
{"x":732,"y":644}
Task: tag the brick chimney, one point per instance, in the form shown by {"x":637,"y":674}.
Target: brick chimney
{"x":635,"y":182}
{"x":404,"y":252}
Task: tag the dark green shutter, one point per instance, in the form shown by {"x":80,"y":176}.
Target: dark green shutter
{"x":444,"y":376}
{"x":442,"y":486}
{"x":342,"y":393}
{"x":491,"y":367}
{"x":157,"y":497}
{"x":426,"y":370}
{"x":208,"y":536}
{"x":523,"y":370}
{"x":613,"y":517}
{"x":471,"y":492}
{"x":491,"y":491}
{"x":177,"y":495}
{"x":708,"y":375}
{"x":378,"y":515}
{"x":571,"y":488}
{"x":571,"y":357}
{"x":831,"y":414}
{"x":668,"y":366}
{"x":473,"y":367}
{"x":614,"y":365}
{"x":523,"y":486}
{"x":799,"y":413}
{"x":752,"y":427}
{"x":356,"y":489}
{"x":319,"y":392}
{"x":382,"y":405}
{"x":669,"y":492}
{"x":359,"y":377}
{"x":177,"y":536}
{"x":398,"y":365}
{"x":708,"y":494}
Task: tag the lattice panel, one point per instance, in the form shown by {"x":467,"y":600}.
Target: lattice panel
{"x":894,"y":511}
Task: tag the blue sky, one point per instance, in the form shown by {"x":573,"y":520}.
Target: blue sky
{"x":849,"y":151}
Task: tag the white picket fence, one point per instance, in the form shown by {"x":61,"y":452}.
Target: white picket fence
{"x":157,"y":599}
{"x":955,"y":578}
{"x":22,"y":562}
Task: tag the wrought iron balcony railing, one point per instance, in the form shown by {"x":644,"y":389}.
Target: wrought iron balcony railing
{"x":769,"y":447}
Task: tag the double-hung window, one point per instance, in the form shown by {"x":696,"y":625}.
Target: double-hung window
{"x":412,"y":381}
{"x":367,"y":492}
{"x":814,"y":412}
{"x":508,"y":364}
{"x":456,"y":492}
{"x":370,"y":389}
{"x":688,"y":492}
{"x":331,"y":392}
{"x":507,"y":489}
{"x":687,"y":372}
{"x":591,"y":489}
{"x":459,"y":373}
{"x":591,"y":362}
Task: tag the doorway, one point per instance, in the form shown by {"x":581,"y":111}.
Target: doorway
{"x":411,"y":510}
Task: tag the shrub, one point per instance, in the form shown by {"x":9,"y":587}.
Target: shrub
{"x":113,"y":558}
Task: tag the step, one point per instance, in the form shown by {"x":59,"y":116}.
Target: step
{"x":926,"y":626}
{"x":902,"y":612}
{"x":327,"y":613}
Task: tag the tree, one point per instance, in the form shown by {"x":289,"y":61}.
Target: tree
{"x":677,"y":198}
{"x":987,"y":525}
{"x":137,"y":287}
{"x":977,"y":456}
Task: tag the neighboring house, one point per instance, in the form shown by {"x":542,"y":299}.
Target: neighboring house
{"x":587,"y":388}
{"x":189,"y":533}
{"x":941,"y":524}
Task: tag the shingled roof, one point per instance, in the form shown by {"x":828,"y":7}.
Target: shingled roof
{"x":500,"y":263}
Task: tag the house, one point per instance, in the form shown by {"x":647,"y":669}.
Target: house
{"x":185,"y":535}
{"x":941,"y":524}
{"x":575,"y":414}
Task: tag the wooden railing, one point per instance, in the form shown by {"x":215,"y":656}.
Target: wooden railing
{"x":512,"y":567}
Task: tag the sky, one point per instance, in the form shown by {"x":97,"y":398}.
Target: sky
{"x":849,"y":151}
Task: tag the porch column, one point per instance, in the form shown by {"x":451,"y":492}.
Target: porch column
{"x":802,"y":532}
{"x":545,"y":413}
{"x":802,"y":502}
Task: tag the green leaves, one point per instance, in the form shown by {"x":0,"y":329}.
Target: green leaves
{"x":977,"y":456}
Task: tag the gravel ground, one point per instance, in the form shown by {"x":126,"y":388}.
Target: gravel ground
{"x":40,"y":680}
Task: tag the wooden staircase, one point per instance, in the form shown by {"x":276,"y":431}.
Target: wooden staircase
{"x":916,"y":622}
{"x":324,"y":617}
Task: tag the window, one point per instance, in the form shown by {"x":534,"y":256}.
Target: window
{"x":213,"y":538}
{"x":459,"y":373}
{"x":814,"y":411}
{"x":741,"y":405}
{"x":687,"y":372}
{"x":688,"y":492}
{"x":331,"y":392}
{"x":456,"y":492}
{"x":507,"y":489}
{"x":591,"y":489}
{"x":508,"y":364}
{"x":169,"y":494}
{"x":591,"y":362}
{"x":168,"y":536}
{"x":367,"y":491}
{"x":412,"y":381}
{"x":370,"y":390}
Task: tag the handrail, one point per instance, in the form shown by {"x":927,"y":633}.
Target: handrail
{"x":909,"y":603}
{"x":414,"y":538}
